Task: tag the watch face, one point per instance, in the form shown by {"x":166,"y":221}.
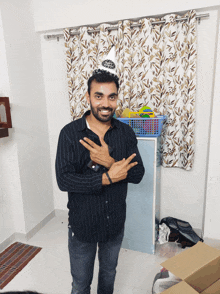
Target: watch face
{"x":93,"y":165}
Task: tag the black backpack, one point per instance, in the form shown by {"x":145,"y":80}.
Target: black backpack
{"x":181,"y":232}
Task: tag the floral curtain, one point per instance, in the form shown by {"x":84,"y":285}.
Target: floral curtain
{"x":156,"y":65}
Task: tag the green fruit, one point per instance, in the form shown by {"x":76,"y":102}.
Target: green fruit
{"x":144,"y":108}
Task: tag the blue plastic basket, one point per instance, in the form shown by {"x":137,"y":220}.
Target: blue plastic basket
{"x":145,"y":127}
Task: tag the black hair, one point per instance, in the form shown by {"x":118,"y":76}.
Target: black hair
{"x":102,"y":76}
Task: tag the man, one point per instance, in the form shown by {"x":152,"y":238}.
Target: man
{"x":97,"y":157}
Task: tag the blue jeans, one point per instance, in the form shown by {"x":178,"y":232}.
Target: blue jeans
{"x":82,"y":259}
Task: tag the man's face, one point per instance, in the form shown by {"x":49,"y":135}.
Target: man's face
{"x":103,"y":100}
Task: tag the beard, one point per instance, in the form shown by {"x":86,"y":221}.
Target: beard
{"x":97,"y":115}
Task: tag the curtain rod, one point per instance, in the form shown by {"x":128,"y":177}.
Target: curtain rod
{"x":198,"y":17}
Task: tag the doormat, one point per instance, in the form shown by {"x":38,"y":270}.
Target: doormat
{"x":13,"y":259}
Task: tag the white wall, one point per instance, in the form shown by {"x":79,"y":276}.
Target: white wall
{"x":10,"y":186}
{"x":27,"y":165}
{"x":212,"y":215}
{"x":183,"y":192}
{"x":56,"y":14}
{"x":57,"y":99}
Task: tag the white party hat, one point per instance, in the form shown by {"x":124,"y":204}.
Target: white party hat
{"x":108,"y":64}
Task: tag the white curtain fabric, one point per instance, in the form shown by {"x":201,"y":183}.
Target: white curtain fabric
{"x":156,"y":65}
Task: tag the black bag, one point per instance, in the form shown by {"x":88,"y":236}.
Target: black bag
{"x":181,"y":232}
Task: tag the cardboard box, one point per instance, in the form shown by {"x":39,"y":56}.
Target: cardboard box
{"x":199,"y":269}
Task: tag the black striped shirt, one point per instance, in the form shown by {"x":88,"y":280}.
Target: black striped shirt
{"x":96,"y":212}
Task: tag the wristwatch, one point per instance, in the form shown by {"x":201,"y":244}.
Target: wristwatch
{"x":95,"y":166}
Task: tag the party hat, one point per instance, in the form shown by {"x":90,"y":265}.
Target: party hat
{"x":108,"y":64}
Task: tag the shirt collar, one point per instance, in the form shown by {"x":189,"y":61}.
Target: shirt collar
{"x":83,"y":126}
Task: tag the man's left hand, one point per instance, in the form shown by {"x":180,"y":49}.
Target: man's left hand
{"x":98,"y":154}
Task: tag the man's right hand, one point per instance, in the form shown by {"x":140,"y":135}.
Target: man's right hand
{"x":119,"y":170}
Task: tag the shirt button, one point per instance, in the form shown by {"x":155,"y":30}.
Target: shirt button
{"x":108,"y":217}
{"x":106,"y":201}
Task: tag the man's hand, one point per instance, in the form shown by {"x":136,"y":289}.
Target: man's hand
{"x":98,"y":154}
{"x":119,"y":170}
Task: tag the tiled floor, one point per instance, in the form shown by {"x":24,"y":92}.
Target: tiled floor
{"x":49,"y":272}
